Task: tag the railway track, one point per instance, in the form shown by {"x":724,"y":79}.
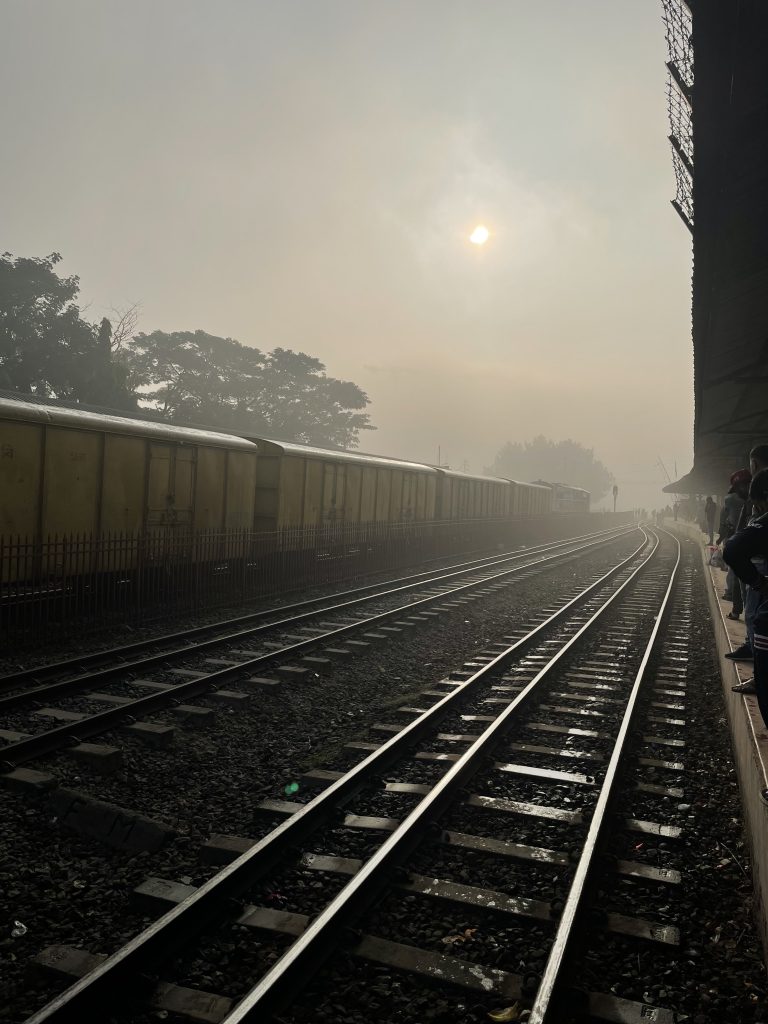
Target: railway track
{"x":575,"y":680}
{"x":293,"y":642}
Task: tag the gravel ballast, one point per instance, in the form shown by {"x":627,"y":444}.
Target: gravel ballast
{"x":70,"y":890}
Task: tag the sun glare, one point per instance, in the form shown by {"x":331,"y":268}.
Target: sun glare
{"x":480,"y":235}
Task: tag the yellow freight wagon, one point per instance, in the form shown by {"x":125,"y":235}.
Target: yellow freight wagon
{"x":298,"y":485}
{"x":531,"y":499}
{"x":464,"y":496}
{"x":69,"y":473}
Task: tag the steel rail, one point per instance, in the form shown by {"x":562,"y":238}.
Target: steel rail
{"x":51,"y":740}
{"x":101,"y":675}
{"x":211,"y":901}
{"x":545,"y":1004}
{"x":315,"y":945}
{"x":40,"y":672}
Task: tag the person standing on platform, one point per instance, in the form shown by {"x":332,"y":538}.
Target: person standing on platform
{"x":744,"y":553}
{"x":758,"y":460}
{"x":710,"y":510}
{"x":733,"y":505}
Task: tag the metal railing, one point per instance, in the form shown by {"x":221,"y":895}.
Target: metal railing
{"x":96,"y":581}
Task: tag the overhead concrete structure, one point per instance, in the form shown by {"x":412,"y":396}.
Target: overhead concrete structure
{"x":725,"y":88}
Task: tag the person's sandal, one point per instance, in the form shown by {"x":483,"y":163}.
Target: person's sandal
{"x":742,"y":653}
{"x":747,"y":686}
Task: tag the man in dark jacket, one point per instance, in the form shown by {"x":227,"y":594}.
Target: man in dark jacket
{"x":752,"y":543}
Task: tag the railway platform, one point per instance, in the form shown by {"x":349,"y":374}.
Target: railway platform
{"x":749,"y":737}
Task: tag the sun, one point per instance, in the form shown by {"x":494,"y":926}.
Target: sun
{"x":480,"y":235}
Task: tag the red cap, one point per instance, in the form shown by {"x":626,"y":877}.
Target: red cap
{"x":741,"y":476}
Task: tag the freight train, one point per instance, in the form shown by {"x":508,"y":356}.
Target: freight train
{"x":71,"y":472}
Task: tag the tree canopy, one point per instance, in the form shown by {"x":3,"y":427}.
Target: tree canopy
{"x":199,"y":377}
{"x":564,"y":462}
{"x":46,"y":347}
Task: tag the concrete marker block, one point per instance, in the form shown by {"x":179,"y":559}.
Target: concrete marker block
{"x":100,"y":758}
{"x":205,"y":1007}
{"x":316,"y":664}
{"x":230,"y":698}
{"x":195,"y":717}
{"x":154,"y":734}
{"x":262,"y":683}
{"x":118,"y":827}
{"x":294,"y":672}
{"x":337,"y":653}
{"x":156,"y":895}
{"x":10,"y":736}
{"x":27,"y":780}
{"x":60,"y":716}
{"x":221,"y":849}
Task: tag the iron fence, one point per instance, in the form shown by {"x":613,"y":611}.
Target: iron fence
{"x":87,"y":582}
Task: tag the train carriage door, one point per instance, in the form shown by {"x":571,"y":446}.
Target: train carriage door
{"x":396,"y":499}
{"x":368,"y":496}
{"x":420,"y":513}
{"x":170,"y":485}
{"x":333,"y":492}
{"x":465,"y":499}
{"x":409,"y":497}
{"x":352,"y":495}
{"x":383,"y":491}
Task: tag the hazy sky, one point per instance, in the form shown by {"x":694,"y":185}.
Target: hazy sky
{"x":305,"y":173}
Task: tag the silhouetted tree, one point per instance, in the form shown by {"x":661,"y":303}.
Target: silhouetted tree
{"x":565,"y":462}
{"x":46,"y":348}
{"x":197,"y":377}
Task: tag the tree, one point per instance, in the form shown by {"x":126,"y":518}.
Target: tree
{"x":46,"y":348}
{"x":125,"y":320}
{"x":565,"y":462}
{"x":193,"y":376}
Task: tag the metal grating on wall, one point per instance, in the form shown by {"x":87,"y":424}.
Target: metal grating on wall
{"x":678,"y":28}
{"x":729,"y":114}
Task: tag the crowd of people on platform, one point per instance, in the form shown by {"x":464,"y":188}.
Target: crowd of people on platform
{"x":743,"y":532}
